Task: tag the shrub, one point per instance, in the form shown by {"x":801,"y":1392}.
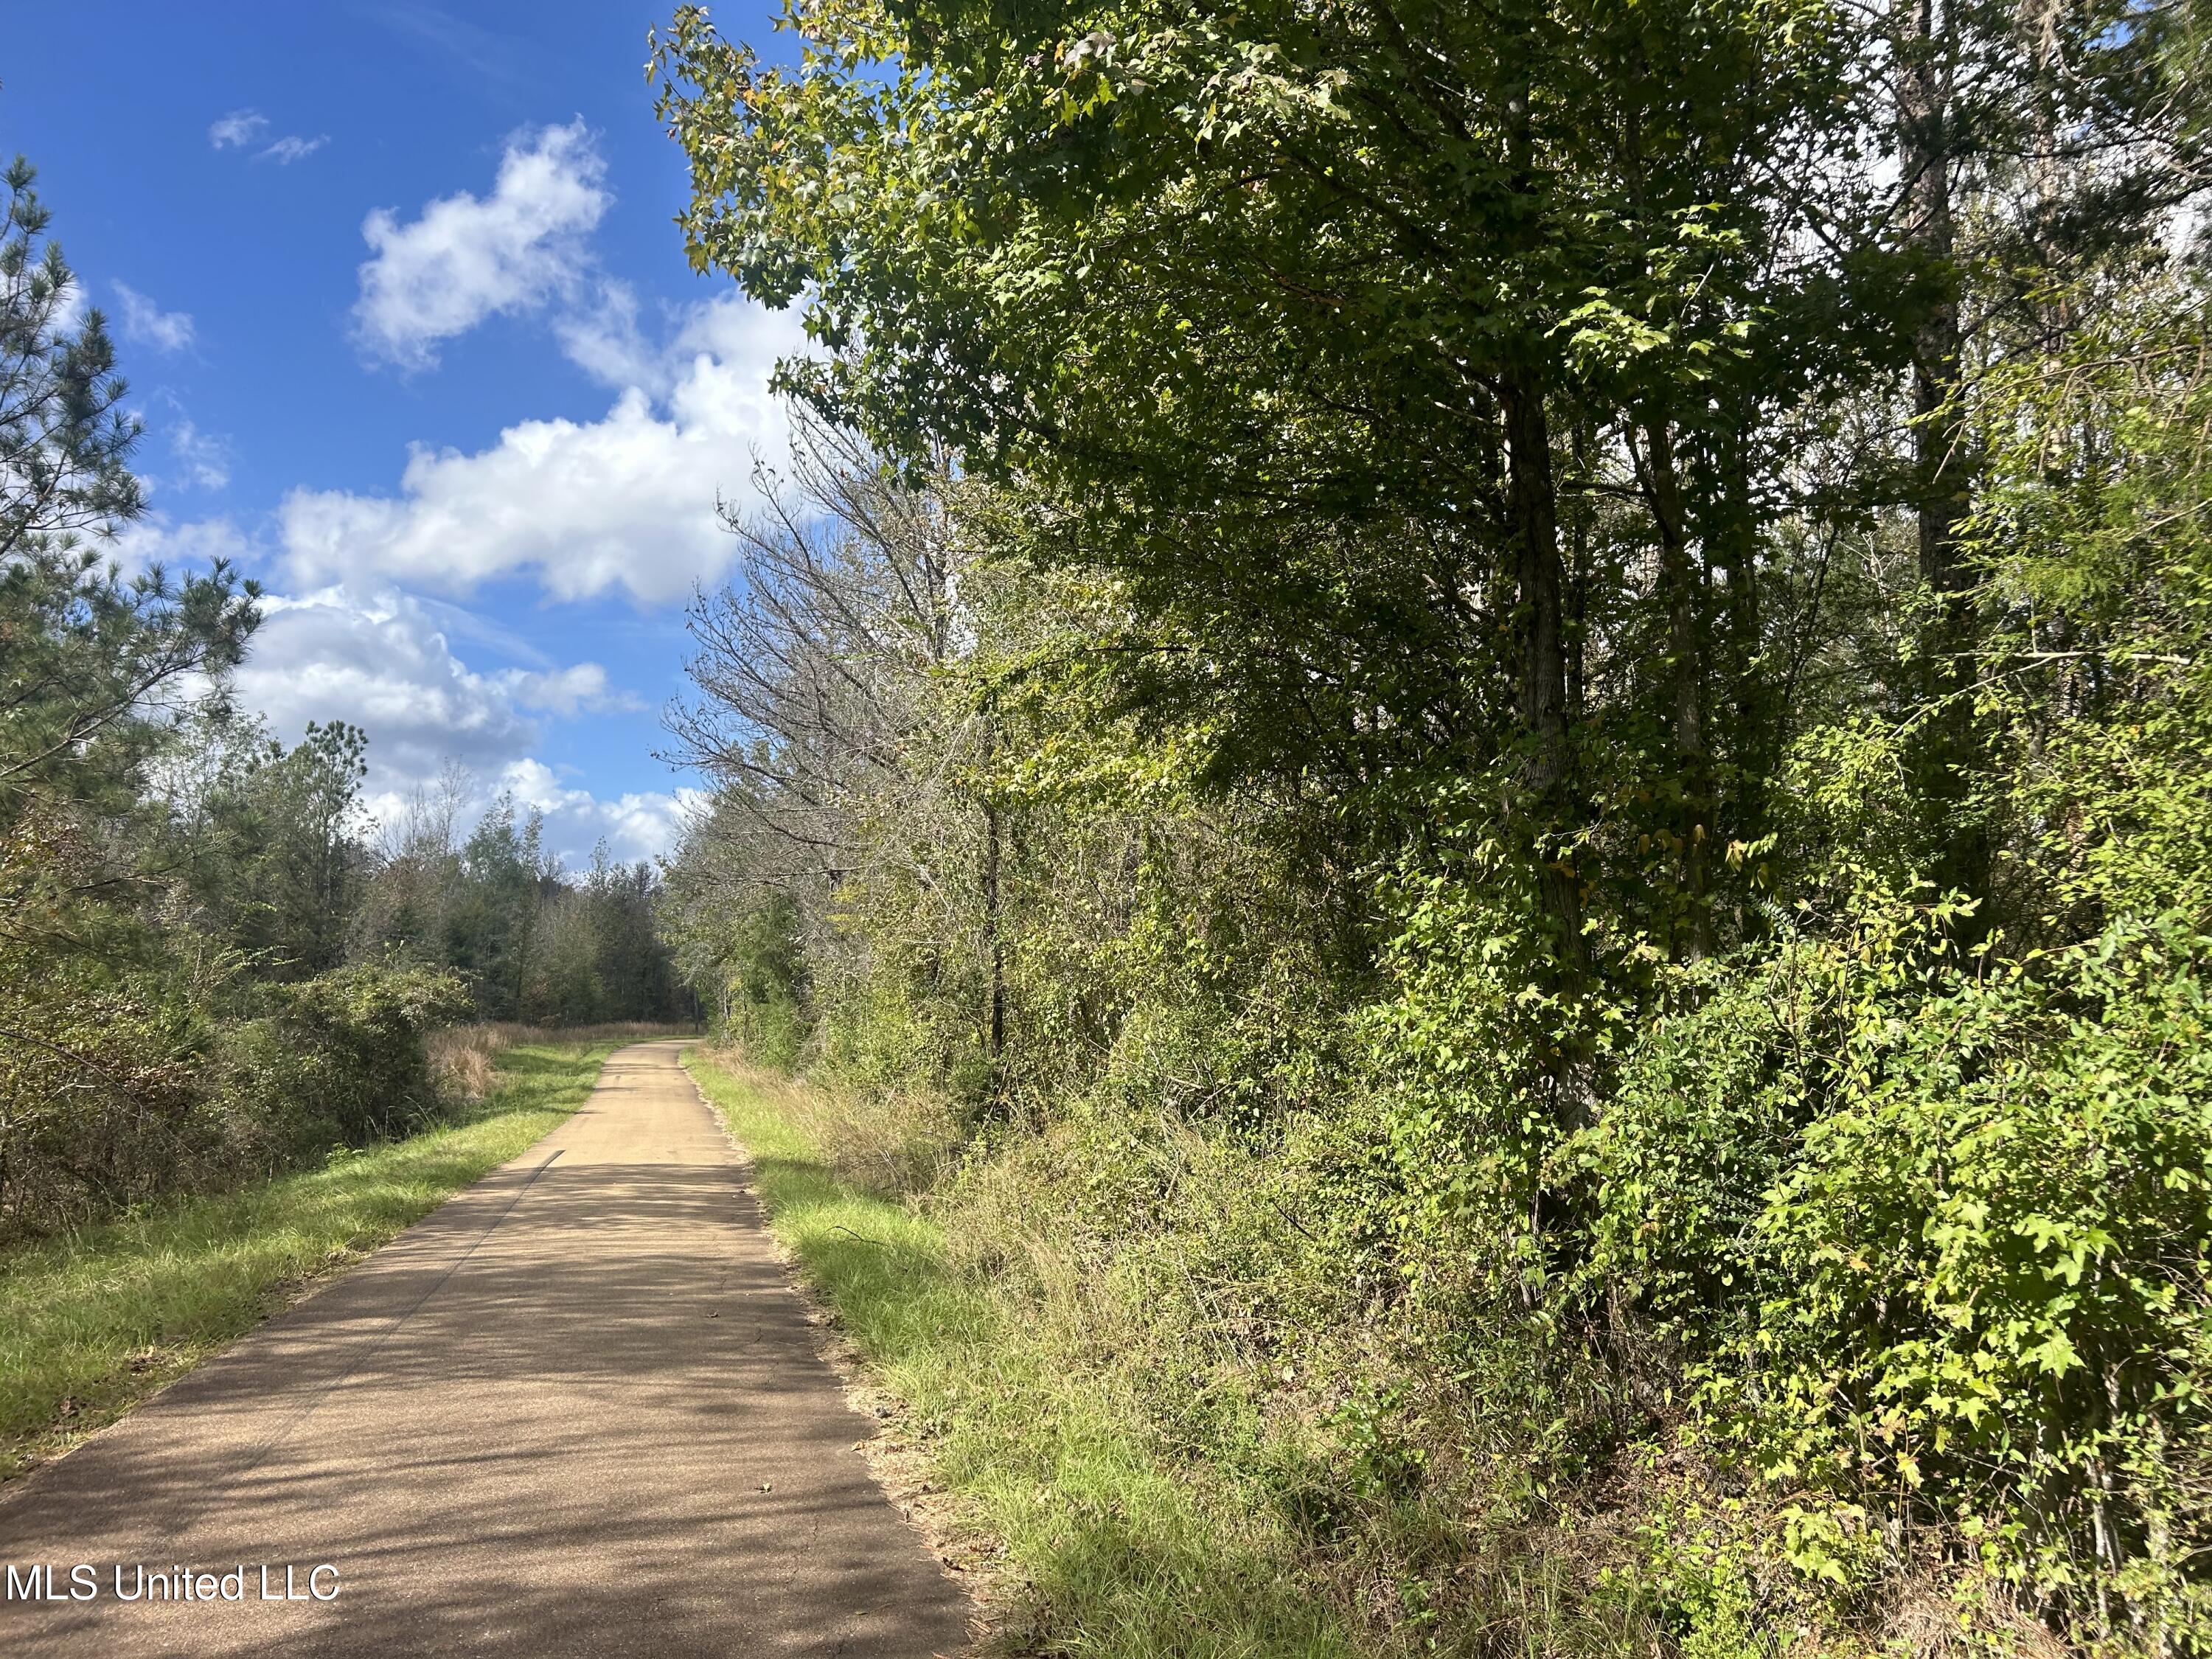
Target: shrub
{"x":1933,"y":1234}
{"x":352,"y":1049}
{"x":101,"y":1103}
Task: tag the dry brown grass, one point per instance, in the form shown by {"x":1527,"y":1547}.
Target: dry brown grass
{"x":462,"y":1057}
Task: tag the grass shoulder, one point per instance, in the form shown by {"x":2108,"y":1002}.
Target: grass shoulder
{"x":1105,"y":1546}
{"x":93,"y":1322}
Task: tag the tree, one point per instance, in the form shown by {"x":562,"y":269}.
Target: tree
{"x":65,"y":441}
{"x":1284,"y":319}
{"x":1592,"y":610}
{"x":834,"y":703}
{"x":87,"y":661}
{"x":271,"y":843}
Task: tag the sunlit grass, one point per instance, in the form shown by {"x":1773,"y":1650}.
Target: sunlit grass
{"x":91,"y":1323}
{"x":1108,"y":1553}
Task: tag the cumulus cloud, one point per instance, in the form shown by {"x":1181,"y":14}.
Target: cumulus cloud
{"x":608,"y":340}
{"x":380,"y":660}
{"x":581,"y":689}
{"x":643,"y":826}
{"x":146,"y":324}
{"x":156,"y":538}
{"x":466,"y":258}
{"x":624,"y":501}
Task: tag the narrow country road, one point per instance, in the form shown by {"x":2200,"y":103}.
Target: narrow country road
{"x":577,"y":1410}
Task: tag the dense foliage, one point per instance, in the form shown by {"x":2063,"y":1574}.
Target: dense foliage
{"x":208,"y":967}
{"x":1516,"y":698}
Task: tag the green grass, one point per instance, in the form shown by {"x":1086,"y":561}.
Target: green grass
{"x":1109,"y":1553}
{"x":91,"y":1323}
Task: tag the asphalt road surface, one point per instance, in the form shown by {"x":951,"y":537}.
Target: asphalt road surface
{"x":577,"y":1410}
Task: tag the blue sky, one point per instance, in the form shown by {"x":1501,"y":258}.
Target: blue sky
{"x":399,"y":299}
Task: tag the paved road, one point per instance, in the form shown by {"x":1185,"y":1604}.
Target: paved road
{"x":575,"y":1411}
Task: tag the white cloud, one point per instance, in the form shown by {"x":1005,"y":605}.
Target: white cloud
{"x":156,"y":538}
{"x":582,"y":687}
{"x":606,"y":340}
{"x":642,"y":825}
{"x":70,"y":304}
{"x":633,"y":826}
{"x":238,"y":129}
{"x":624,"y":501}
{"x":204,"y":458}
{"x":291,"y":148}
{"x":244,"y":129}
{"x":466,"y":258}
{"x":147,"y":324}
{"x":380,"y":661}
{"x":603,"y":339}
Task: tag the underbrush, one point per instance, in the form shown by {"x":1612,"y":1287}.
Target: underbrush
{"x":1105,"y":1540}
{"x":1122,"y":1350}
{"x":118,"y":1090}
{"x":143,"y":1087}
{"x":1203,"y":1398}
{"x":92,"y":1321}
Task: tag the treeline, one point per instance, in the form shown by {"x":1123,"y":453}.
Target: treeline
{"x":211,"y":964}
{"x":1516,"y":698}
{"x":272,"y":852}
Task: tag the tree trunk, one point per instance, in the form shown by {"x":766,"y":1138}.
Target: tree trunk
{"x":1733,"y":539}
{"x":996,"y":956}
{"x":1754,"y":704}
{"x":1924,"y":108}
{"x":1927,"y":52}
{"x":1685,"y":654}
{"x":1543,"y":663}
